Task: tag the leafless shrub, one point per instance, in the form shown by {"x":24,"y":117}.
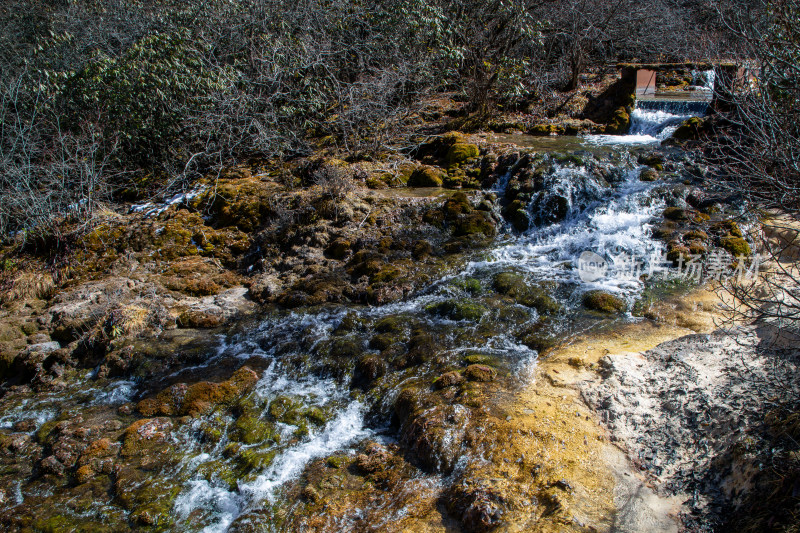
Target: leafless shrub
{"x":335,"y":183}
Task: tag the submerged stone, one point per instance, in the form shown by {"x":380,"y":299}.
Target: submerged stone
{"x":603,"y":302}
{"x":457,"y":309}
{"x":481,"y":373}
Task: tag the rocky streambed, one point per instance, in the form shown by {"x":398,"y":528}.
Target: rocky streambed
{"x":252,"y":356}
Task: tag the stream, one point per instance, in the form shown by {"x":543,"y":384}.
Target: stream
{"x":607,"y":217}
{"x":330,"y":376}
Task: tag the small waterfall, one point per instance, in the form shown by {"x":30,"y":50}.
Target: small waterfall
{"x":654,"y":121}
{"x":659,"y":121}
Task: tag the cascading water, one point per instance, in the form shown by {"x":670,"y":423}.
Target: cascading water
{"x":235,"y":464}
{"x":606,"y":211}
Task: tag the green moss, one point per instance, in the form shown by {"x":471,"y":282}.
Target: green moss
{"x":517,"y":214}
{"x":382,"y":341}
{"x":255,"y":459}
{"x":336,"y":461}
{"x":286,"y":410}
{"x":473,"y":224}
{"x":728,"y":227}
{"x":619,"y":122}
{"x":513,"y":285}
{"x":250,"y":428}
{"x":652,"y":160}
{"x":675,"y":251}
{"x":603,"y":302}
{"x":448,"y":379}
{"x":456,"y":205}
{"x":737,"y":246}
{"x":690,"y":129}
{"x":338,"y":249}
{"x":568,"y":159}
{"x":391,"y":323}
{"x":426,"y":176}
{"x":219,"y":471}
{"x":457,"y":309}
{"x":543,"y":130}
{"x":470,"y":285}
{"x":480,"y":359}
{"x":316,"y":415}
{"x":461,"y":152}
{"x":693,"y":235}
{"x":345,"y":348}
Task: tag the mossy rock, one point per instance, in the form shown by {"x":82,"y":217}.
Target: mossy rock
{"x":676,"y":251}
{"x":384,"y":341}
{"x":652,"y":160}
{"x":345,"y":348}
{"x":695,"y":235}
{"x":201,"y":397}
{"x":620,"y":122}
{"x":255,"y":459}
{"x":426,"y":176}
{"x":517,"y":214}
{"x":459,"y":153}
{"x":391,"y":324}
{"x":697,"y":248}
{"x":457,"y":309}
{"x":737,"y":246}
{"x":676,"y":213}
{"x":474,"y":223}
{"x":603,"y":302}
{"x":470,"y":285}
{"x":250,"y":428}
{"x":543,"y":130}
{"x":690,"y":129}
{"x":421,"y":249}
{"x":550,"y":208}
{"x":369,"y":368}
{"x":337,"y":461}
{"x":448,"y":379}
{"x":648,"y":174}
{"x":422,"y":346}
{"x":219,"y":471}
{"x":568,"y":159}
{"x":480,"y":359}
{"x":290,"y":411}
{"x":408,"y":402}
{"x":727,"y":227}
{"x":145,"y":436}
{"x":457,"y":204}
{"x":514,"y":286}
{"x":480,"y":373}
{"x":537,"y":338}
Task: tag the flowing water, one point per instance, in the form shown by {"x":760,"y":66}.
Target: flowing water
{"x":608,"y":217}
{"x":308,"y":388}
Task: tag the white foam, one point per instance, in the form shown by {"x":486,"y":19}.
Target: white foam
{"x":225,"y":506}
{"x":344,"y":430}
{"x":117,"y":392}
